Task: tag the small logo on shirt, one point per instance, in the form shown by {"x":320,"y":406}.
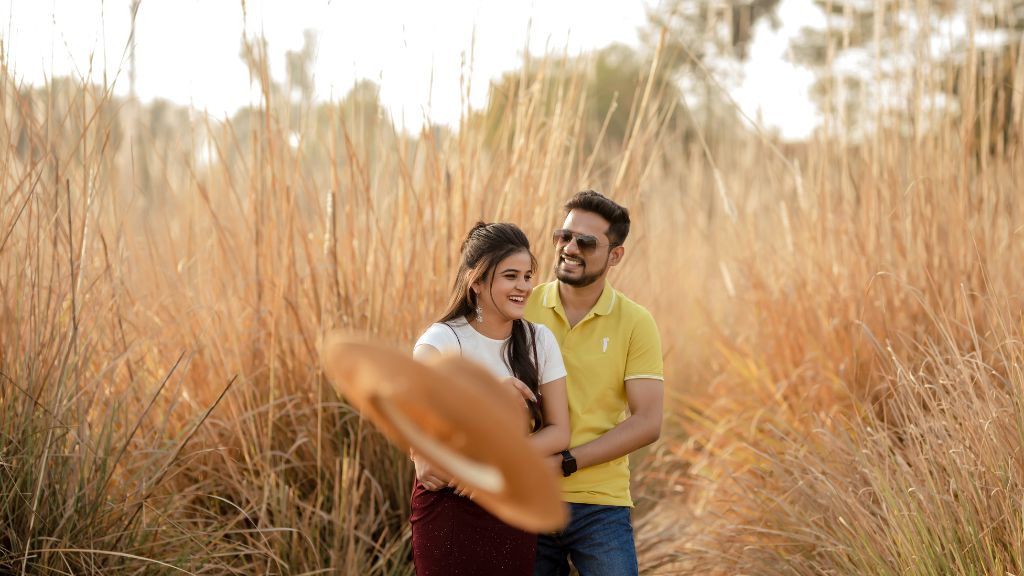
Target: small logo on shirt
{"x":604,"y":344}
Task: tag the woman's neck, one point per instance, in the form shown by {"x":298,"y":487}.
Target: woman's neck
{"x":494,"y":329}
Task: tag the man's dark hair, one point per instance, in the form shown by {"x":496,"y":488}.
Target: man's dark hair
{"x":616,"y":214}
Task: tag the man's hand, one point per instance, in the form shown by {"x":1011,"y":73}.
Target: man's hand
{"x":642,"y":427}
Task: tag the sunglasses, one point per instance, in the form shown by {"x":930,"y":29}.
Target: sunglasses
{"x":584,"y":242}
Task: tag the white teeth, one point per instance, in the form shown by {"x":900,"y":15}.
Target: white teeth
{"x":516,"y":298}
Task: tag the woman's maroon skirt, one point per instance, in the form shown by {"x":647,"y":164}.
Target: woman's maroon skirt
{"x":452,"y":535}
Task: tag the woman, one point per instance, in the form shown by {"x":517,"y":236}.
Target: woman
{"x":484,"y":322}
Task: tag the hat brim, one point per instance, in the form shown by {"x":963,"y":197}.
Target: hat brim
{"x":458,"y":417}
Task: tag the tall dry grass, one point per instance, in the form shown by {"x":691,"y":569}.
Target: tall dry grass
{"x":856,"y":347}
{"x":841,"y":327}
{"x":166,"y":280}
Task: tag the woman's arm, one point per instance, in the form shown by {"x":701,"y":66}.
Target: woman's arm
{"x":430,"y":477}
{"x":554,"y":436}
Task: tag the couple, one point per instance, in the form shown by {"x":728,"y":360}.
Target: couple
{"x":580,"y":353}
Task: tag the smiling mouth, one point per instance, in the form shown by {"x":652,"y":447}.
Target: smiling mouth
{"x":571,"y":261}
{"x":518,"y":299}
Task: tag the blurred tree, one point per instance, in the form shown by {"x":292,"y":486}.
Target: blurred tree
{"x":874,"y":57}
{"x":299,"y":68}
{"x":618,"y":74}
{"x":705,"y":45}
{"x":702,"y":31}
{"x":323,"y":133}
{"x":610,"y":83}
{"x":362,"y":112}
{"x":356,"y":128}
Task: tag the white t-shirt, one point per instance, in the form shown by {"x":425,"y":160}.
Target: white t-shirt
{"x":489,"y":352}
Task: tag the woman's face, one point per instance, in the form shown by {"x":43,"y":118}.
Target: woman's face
{"x":505,"y":295}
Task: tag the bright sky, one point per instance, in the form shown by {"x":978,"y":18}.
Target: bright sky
{"x":187,"y":51}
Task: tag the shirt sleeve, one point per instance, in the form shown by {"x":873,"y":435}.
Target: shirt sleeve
{"x":644,"y":357}
{"x":552,"y":367}
{"x":441,"y":337}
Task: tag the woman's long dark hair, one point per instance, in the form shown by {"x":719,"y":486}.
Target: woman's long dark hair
{"x":485,"y":246}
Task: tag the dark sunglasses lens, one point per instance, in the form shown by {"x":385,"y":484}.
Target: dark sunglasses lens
{"x":586,"y":243}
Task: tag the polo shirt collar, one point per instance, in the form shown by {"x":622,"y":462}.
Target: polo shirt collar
{"x":603,"y":307}
{"x":606,"y":302}
{"x":551,"y":298}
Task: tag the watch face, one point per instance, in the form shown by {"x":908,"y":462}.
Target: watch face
{"x":568,"y":464}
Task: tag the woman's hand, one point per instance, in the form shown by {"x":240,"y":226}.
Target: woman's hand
{"x":461,"y":490}
{"x":528,"y":398}
{"x":523,"y":389}
{"x":431,"y":478}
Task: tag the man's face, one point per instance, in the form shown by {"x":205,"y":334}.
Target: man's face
{"x":583,"y":265}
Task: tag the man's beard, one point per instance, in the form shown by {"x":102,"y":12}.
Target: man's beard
{"x":581,"y":280}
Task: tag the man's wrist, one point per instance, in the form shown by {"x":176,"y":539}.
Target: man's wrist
{"x":568,"y":463}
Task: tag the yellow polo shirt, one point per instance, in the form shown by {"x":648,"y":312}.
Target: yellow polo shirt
{"x":616,"y":341}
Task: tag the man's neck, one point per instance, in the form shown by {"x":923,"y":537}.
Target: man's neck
{"x":578,"y":301}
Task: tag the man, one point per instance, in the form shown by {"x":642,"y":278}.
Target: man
{"x":612,"y":353}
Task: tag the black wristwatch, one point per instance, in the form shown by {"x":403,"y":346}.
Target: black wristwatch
{"x":568,"y":463}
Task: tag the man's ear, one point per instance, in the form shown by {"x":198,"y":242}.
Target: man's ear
{"x":615,"y":256}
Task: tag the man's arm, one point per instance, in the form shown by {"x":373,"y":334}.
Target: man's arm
{"x":642,"y":427}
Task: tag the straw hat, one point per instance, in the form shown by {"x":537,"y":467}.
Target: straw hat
{"x":457,"y":416}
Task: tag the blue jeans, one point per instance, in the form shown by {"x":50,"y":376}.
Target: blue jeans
{"x":598,"y":539}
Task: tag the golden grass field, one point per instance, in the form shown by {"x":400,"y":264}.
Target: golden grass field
{"x":841,"y":323}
